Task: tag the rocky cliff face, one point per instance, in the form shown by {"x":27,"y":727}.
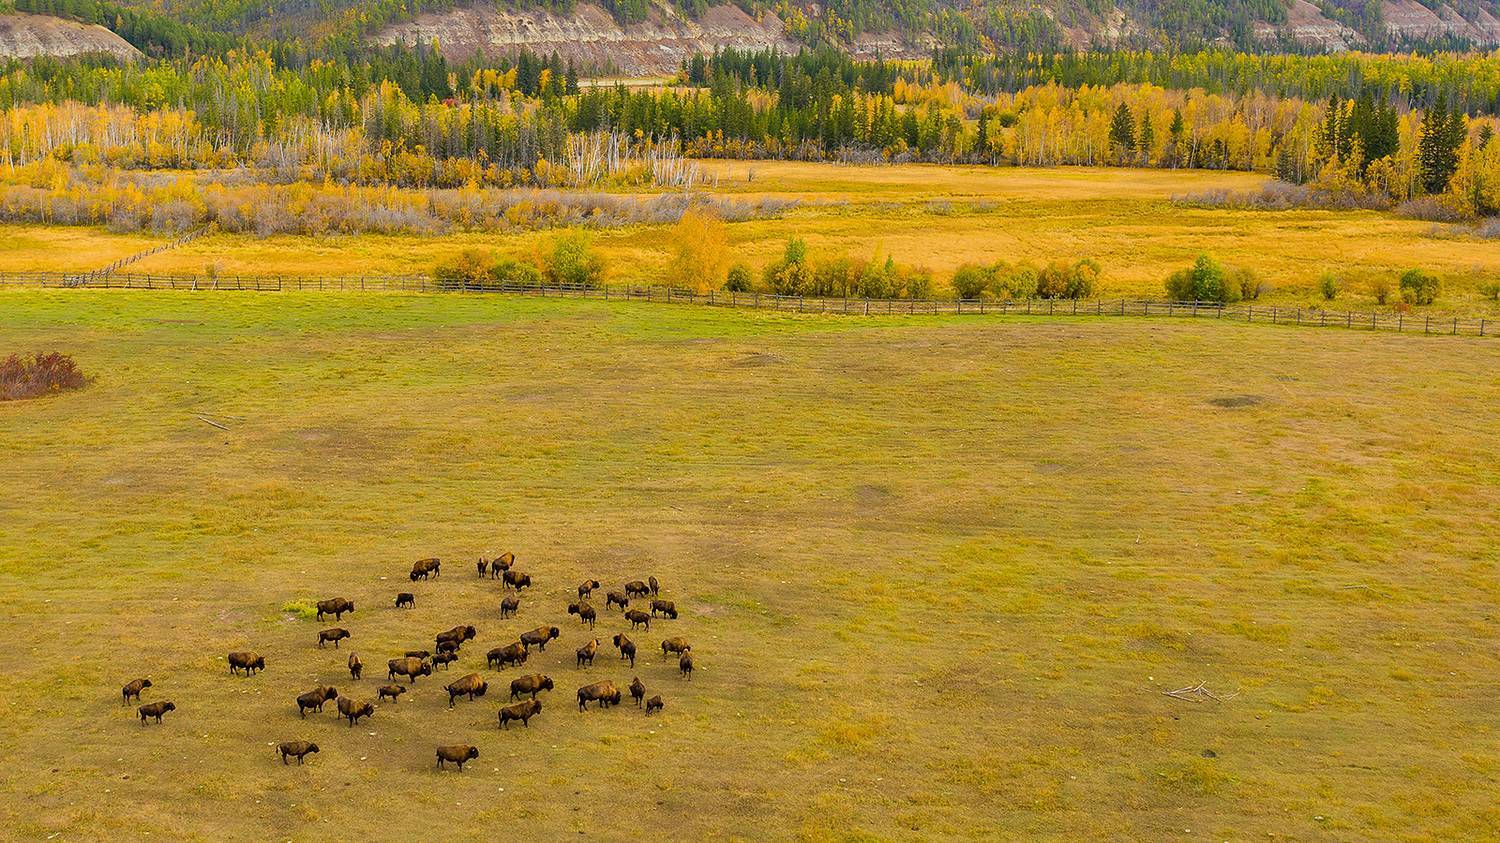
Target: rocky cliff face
{"x":24,"y":36}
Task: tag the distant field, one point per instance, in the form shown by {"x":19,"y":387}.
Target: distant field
{"x":937,"y":573}
{"x":934,"y":216}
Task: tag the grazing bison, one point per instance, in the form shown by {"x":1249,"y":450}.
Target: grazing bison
{"x":666,"y":607}
{"x":407,"y":599}
{"x":246,"y":661}
{"x":353,"y":711}
{"x":637,"y":690}
{"x":522,"y":711}
{"x":444,"y":659}
{"x":655,"y":586}
{"x":470,"y":685}
{"x":636,"y":588}
{"x":336,"y":607}
{"x":626,"y":647}
{"x":685,"y":664}
{"x":356,"y":667}
{"x":638,"y":618}
{"x":424,"y":568}
{"x":532,"y":685}
{"x":605,"y":692}
{"x":509,"y":605}
{"x":616,"y":598}
{"x":509,"y":654}
{"x":653,"y":704}
{"x":457,"y":635}
{"x":417,"y":654}
{"x":584,"y":611}
{"x":410,"y":667}
{"x":296,"y":749}
{"x":456,"y":754}
{"x":587,"y":651}
{"x":390,"y":692}
{"x":586,"y":588}
{"x":155,"y":709}
{"x":675,"y":645}
{"x":315,"y":699}
{"x":539,"y":636}
{"x":516,"y":579}
{"x":335,"y":635}
{"x":133,"y":688}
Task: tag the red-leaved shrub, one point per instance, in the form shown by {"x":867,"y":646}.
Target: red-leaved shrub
{"x":38,"y":375}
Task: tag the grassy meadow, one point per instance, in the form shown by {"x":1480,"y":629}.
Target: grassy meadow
{"x":937,"y":572}
{"x":935,"y":216}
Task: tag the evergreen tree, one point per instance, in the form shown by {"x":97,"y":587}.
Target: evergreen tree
{"x":1437,"y":146}
{"x":1122,"y":130}
{"x":1147,"y":137}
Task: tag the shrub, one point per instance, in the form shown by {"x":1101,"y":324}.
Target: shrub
{"x":918,"y":284}
{"x":1419,"y":287}
{"x":1490,"y":290}
{"x":38,"y":375}
{"x":1015,"y":282}
{"x":1328,"y":286}
{"x":1203,"y":281}
{"x":790,"y":276}
{"x":573,"y":261}
{"x":1380,"y":288}
{"x":467,"y":267}
{"x":700,"y":251}
{"x":972,"y":281}
{"x":1247,"y":282}
{"x":512,"y":271}
{"x":1058,"y":280}
{"x":739,"y":279}
{"x":303,"y":609}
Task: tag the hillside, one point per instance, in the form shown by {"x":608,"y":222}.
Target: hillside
{"x":24,"y":35}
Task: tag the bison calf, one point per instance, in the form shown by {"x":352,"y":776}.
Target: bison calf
{"x":296,"y":749}
{"x":532,"y":684}
{"x":133,"y":688}
{"x":406,"y":599}
{"x":653,"y":704}
{"x":335,"y":635}
{"x":444,"y":659}
{"x":155,"y":709}
{"x":522,"y":711}
{"x":626,"y":647}
{"x":390,"y":692}
{"x":353,"y":711}
{"x":315,"y":699}
{"x":457,"y":754}
{"x":246,"y":661}
{"x":471,"y":685}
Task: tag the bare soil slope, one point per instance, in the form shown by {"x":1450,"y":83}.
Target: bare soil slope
{"x":23,"y":36}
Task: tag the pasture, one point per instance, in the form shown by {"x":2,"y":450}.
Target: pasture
{"x":937,"y":573}
{"x":938,"y":217}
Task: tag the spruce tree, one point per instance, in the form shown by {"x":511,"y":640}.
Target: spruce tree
{"x":1122,"y":130}
{"x":1437,"y":147}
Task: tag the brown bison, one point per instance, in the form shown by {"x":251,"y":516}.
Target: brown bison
{"x":605,"y":692}
{"x":638,"y":618}
{"x":522,"y":711}
{"x":407,"y":599}
{"x":296,"y":749}
{"x":517,"y":580}
{"x":653,"y":704}
{"x":509,"y":605}
{"x":356,"y":667}
{"x":586,"y":653}
{"x":666,"y":607}
{"x":636,"y":588}
{"x":616,"y":598}
{"x":501,"y":564}
{"x":353,"y":711}
{"x":447,"y":647}
{"x":539,"y":636}
{"x":457,"y":636}
{"x":246,"y":661}
{"x":335,"y":635}
{"x":456,"y":754}
{"x":586,"y":588}
{"x":533,"y":684}
{"x":315,"y":699}
{"x":336,"y":607}
{"x":584,"y":611}
{"x":626,"y":647}
{"x":444,"y":659}
{"x":409,"y":667}
{"x":655,"y":586}
{"x":509,"y":654}
{"x":391,"y":692}
{"x":470,"y":685}
{"x":685,"y":664}
{"x":424,"y":568}
{"x":637,"y":690}
{"x":675,"y":645}
{"x":484,"y":567}
{"x":417,"y":654}
{"x":155,"y":709}
{"x":133,"y":688}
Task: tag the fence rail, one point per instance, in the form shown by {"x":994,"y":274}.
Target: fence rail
{"x":1393,"y":321}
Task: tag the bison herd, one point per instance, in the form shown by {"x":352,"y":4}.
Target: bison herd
{"x":524,"y":702}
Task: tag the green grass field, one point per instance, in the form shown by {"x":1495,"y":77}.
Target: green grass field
{"x":937,"y":572}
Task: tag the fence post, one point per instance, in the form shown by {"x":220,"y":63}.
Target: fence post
{"x":1481,"y":326}
{"x":1455,"y":326}
{"x":1427,"y":326}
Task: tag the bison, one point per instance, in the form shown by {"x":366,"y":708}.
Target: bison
{"x":444,"y":659}
{"x":616,"y":598}
{"x":335,"y":635}
{"x":653,"y":704}
{"x":470,"y":685}
{"x":509,"y":654}
{"x":246,"y":661}
{"x":655,"y":586}
{"x":626,"y":647}
{"x":636,"y":588}
{"x":685,"y":664}
{"x":509,"y":605}
{"x":605,"y":692}
{"x":133,"y":688}
{"x":501,"y":564}
{"x":456,"y":754}
{"x":407,"y":599}
{"x":483,"y":567}
{"x":586,"y":588}
{"x":315,"y":699}
{"x":356,"y":667}
{"x":409,"y":667}
{"x":457,"y":635}
{"x":675,"y":645}
{"x":296,"y":749}
{"x":587,"y":651}
{"x":533,"y":684}
{"x":666,"y":607}
{"x":447,"y":647}
{"x":336,"y":607}
{"x":353,"y":711}
{"x":155,"y":709}
{"x":539,"y":636}
{"x":517,"y":580}
{"x":637,"y":689}
{"x":390,"y":692}
{"x":424,"y":568}
{"x":417,"y":654}
{"x":638,"y":618}
{"x":584,"y":611}
{"x":522,"y":711}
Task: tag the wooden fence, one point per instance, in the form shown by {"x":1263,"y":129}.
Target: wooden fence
{"x":1393,"y":321}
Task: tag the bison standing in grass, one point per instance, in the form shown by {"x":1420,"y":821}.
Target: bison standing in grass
{"x":522,"y":711}
{"x":637,"y":689}
{"x":456,"y":754}
{"x":685,"y":664}
{"x":636,"y":588}
{"x":155,"y":709}
{"x":584,"y":611}
{"x":677,"y":644}
{"x":666,"y":607}
{"x":133,"y":688}
{"x":335,"y":635}
{"x":532,"y":685}
{"x":586,"y":588}
{"x":296,"y":749}
{"x":638,"y":618}
{"x":514,"y":653}
{"x":315,"y":699}
{"x":586,"y":653}
{"x":409,"y":667}
{"x":456,"y":636}
{"x":356,"y":667}
{"x":470,"y":685}
{"x":509,"y":605}
{"x":539,"y":637}
{"x":604,"y":692}
{"x":390,"y":692}
{"x":616,"y":598}
{"x":336,"y":607}
{"x":424,"y":568}
{"x":626,"y":647}
{"x":353,"y":711}
{"x":516,"y":579}
{"x":406,"y":600}
{"x":247,"y":661}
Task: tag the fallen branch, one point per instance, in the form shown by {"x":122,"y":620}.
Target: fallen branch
{"x":212,"y":422}
{"x":1197,"y":694}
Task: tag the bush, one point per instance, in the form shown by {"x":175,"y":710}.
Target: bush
{"x":573,"y":261}
{"x":1490,"y":290}
{"x":1015,"y":282}
{"x":739,"y":279}
{"x":1380,"y":288}
{"x":512,"y":271}
{"x":1328,"y":286}
{"x":972,"y":281}
{"x":38,"y":375}
{"x":1203,"y":281}
{"x":1247,"y":282}
{"x":1419,"y":287}
{"x":790,"y":276}
{"x":468,"y":267}
{"x":700,"y":251}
